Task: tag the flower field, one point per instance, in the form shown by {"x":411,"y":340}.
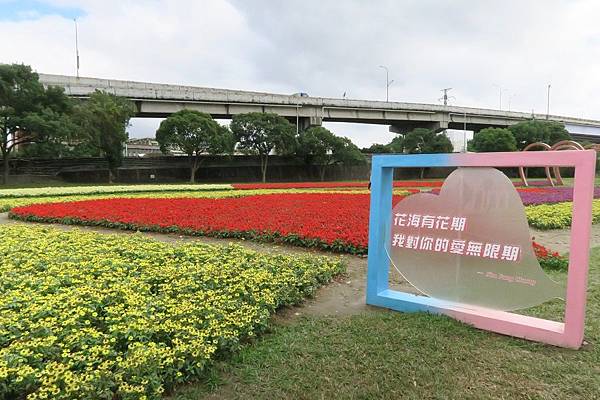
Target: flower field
{"x":550,"y":259}
{"x":556,"y":216}
{"x":112,"y":189}
{"x":86,"y":315}
{"x":331,"y":185}
{"x":332,"y":221}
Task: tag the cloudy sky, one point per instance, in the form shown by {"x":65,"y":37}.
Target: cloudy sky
{"x":493,"y":54}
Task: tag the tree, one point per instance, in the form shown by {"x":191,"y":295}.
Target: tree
{"x":29,"y":113}
{"x":532,"y":131}
{"x":321,"y":147}
{"x":377,"y":148}
{"x":422,"y":141}
{"x":194,"y":133}
{"x":103,"y":120}
{"x":396,"y":145}
{"x":261,"y":133}
{"x":493,"y":139}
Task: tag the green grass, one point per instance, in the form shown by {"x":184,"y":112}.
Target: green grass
{"x":391,"y":355}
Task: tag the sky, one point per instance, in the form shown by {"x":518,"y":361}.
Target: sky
{"x":492,"y":54}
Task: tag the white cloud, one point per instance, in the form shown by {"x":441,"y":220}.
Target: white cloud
{"x":328,"y":47}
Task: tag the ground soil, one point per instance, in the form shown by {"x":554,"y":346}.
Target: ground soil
{"x":346,"y":294}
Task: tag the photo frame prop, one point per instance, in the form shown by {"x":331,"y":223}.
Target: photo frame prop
{"x":568,"y":333}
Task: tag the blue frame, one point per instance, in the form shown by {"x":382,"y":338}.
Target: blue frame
{"x":382,"y":176}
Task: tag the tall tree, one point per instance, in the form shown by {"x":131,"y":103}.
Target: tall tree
{"x":377,"y":148}
{"x":422,"y":141}
{"x":321,"y":147}
{"x":103,"y":120}
{"x":194,"y":133}
{"x":492,"y":140}
{"x":29,"y":113}
{"x":263,"y":133}
{"x":532,"y":131}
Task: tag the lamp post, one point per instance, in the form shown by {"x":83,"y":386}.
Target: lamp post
{"x":76,"y":46}
{"x":464,"y":149}
{"x":297,"y":118}
{"x":548,"y":103}
{"x":387,"y":82}
{"x":510,"y":100}
{"x":500,"y":91}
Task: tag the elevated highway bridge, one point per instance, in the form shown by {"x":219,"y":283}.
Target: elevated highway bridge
{"x":160,"y":100}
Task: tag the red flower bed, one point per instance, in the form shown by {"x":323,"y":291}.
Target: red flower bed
{"x":329,"y":185}
{"x":332,"y":221}
{"x":550,"y":259}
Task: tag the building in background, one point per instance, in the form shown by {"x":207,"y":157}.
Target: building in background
{"x":146,"y":147}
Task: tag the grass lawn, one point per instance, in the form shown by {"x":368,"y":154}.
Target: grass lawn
{"x":391,"y":355}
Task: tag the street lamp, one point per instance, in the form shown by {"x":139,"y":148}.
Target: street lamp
{"x":76,"y":46}
{"x":548,"y":103}
{"x":510,"y":97}
{"x":387,"y":82}
{"x":500,"y":90}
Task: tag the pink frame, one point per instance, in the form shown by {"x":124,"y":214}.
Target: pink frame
{"x":565,"y":334}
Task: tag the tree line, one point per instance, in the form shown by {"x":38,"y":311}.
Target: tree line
{"x":61,"y":126}
{"x":96,"y":127}
{"x":44,"y":122}
{"x":514,"y":138}
{"x":261,"y":134}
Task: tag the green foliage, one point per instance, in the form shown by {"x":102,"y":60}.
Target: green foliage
{"x":194,"y":133}
{"x":103,"y":120}
{"x":377,"y":148}
{"x":30,"y":113}
{"x":397,"y":144}
{"x":422,"y":141}
{"x":492,"y":140}
{"x":321,"y":147}
{"x":532,"y":131}
{"x":58,"y":148}
{"x":262,"y":133}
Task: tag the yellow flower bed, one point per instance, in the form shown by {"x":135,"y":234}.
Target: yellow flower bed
{"x":556,"y":216}
{"x":92,"y":316}
{"x":110,"y":189}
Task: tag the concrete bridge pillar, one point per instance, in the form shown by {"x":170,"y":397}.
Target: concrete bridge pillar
{"x":307,"y":122}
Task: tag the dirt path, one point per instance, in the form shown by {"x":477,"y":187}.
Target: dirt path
{"x":344,"y":296}
{"x":558,"y":239}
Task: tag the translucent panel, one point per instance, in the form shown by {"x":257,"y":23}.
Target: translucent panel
{"x":470,"y":244}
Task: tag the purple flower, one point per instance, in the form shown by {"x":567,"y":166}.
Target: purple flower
{"x":551,"y":195}
{"x":547,"y":195}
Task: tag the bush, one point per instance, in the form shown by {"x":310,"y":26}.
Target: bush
{"x":532,"y":131}
{"x":492,"y":140}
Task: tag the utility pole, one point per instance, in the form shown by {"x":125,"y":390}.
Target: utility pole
{"x":510,"y":97}
{"x":548,"y":103}
{"x":297,"y":118}
{"x":465,"y":134}
{"x":76,"y":46}
{"x":387,"y":83}
{"x":445,"y":97}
